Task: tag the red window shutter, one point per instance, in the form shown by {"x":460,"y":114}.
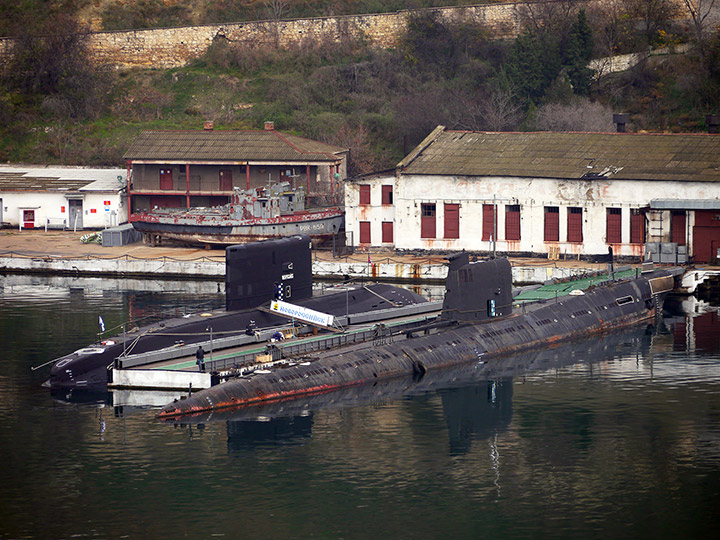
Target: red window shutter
{"x":364,"y":232}
{"x":387,"y":232}
{"x":637,"y":227}
{"x":613,"y":229}
{"x":574,"y":233}
{"x":364,"y":195}
{"x":552,"y":224}
{"x":489,"y":222}
{"x":512,"y":222}
{"x":427,"y":221}
{"x":678,"y":225}
{"x":387,"y":195}
{"x":452,"y":221}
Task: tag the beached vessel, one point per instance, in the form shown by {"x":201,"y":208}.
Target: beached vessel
{"x":252,"y":215}
{"x":477,"y":323}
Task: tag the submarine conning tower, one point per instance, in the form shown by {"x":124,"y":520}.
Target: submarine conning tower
{"x":477,"y":291}
{"x":257,"y":272}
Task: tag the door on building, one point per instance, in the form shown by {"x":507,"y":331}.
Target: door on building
{"x":706,"y":236}
{"x":574,"y":224}
{"x":427,"y":220}
{"x":28,"y":217}
{"x":226,"y":183}
{"x":365,"y":232}
{"x":678,"y":226}
{"x":552,"y":224}
{"x":387,"y":232}
{"x":75,"y":214}
{"x":489,"y":222}
{"x":1,"y":212}
{"x":452,"y":221}
{"x":166,"y":179}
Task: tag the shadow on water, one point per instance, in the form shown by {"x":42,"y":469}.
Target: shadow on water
{"x":476,"y":397}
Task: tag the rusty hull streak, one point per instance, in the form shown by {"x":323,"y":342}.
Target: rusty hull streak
{"x":463,"y":333}
{"x":401,"y":368}
{"x":221,"y":220}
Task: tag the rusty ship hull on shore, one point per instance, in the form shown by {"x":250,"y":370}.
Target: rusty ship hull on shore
{"x":477,"y":324}
{"x":253,"y":215}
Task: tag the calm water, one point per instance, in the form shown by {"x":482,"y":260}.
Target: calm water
{"x":611,"y":438}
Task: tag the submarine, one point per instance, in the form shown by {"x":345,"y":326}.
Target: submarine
{"x":255,"y":273}
{"x":590,"y":350}
{"x":477,"y":324}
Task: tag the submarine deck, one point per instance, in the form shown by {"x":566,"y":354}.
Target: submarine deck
{"x":243,"y":354}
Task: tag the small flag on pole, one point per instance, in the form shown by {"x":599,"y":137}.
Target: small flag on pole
{"x":102,"y":324}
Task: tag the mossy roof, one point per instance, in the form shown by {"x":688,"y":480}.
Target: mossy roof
{"x":631,"y":156}
{"x":217,"y":146}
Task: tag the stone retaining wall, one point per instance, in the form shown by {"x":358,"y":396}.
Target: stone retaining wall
{"x":174,"y":47}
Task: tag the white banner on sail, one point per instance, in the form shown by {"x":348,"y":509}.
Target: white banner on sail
{"x":301,"y":313}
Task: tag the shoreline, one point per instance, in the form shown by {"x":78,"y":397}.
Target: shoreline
{"x":37,"y":252}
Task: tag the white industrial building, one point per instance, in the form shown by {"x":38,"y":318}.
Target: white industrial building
{"x":558,"y":195}
{"x":62,"y":197}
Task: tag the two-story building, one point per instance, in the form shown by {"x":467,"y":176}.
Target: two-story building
{"x":547,"y":194}
{"x":184,"y":169}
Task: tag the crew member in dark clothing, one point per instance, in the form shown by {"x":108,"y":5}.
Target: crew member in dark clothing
{"x":200,"y":355}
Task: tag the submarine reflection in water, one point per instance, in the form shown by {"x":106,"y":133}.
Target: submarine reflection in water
{"x":476,"y":397}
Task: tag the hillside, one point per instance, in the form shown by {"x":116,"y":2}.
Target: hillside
{"x":56,"y":107}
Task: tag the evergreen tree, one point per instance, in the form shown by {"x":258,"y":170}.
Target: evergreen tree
{"x":578,"y":53}
{"x":534,"y":64}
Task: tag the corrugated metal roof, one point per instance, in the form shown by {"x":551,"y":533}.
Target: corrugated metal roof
{"x":641,"y":156}
{"x":229,"y":145}
{"x":20,"y":178}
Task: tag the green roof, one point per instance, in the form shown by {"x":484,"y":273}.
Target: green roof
{"x":631,"y":156}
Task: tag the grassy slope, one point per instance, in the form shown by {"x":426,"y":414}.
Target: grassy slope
{"x":344,"y":94}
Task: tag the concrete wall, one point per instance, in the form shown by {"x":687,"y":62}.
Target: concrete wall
{"x":533,"y":195}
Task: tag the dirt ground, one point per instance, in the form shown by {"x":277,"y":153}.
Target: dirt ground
{"x":67,"y":244}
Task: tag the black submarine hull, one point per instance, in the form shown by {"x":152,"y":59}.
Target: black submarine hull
{"x":89,"y":367}
{"x":590,"y":350}
{"x":477,"y":324}
{"x":255,"y":273}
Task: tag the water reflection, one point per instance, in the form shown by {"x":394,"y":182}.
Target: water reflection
{"x":477,"y":398}
{"x":612,"y":437}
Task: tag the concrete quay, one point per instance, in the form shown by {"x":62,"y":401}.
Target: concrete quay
{"x":62,"y":253}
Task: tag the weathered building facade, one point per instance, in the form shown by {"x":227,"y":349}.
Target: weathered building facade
{"x":548,"y":194}
{"x":184,"y":169}
{"x":62,"y":197}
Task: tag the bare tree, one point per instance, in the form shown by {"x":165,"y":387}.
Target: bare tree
{"x":579,"y":115}
{"x":362,"y":159}
{"x":654,"y":14}
{"x":611,"y":24}
{"x":496,"y":110}
{"x":549,"y":15}
{"x":276,"y":10}
{"x":699,"y":11}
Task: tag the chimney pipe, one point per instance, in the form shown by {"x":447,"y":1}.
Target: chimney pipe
{"x":269,"y":126}
{"x":713,"y":122}
{"x":620,"y":120}
{"x":208,"y":126}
